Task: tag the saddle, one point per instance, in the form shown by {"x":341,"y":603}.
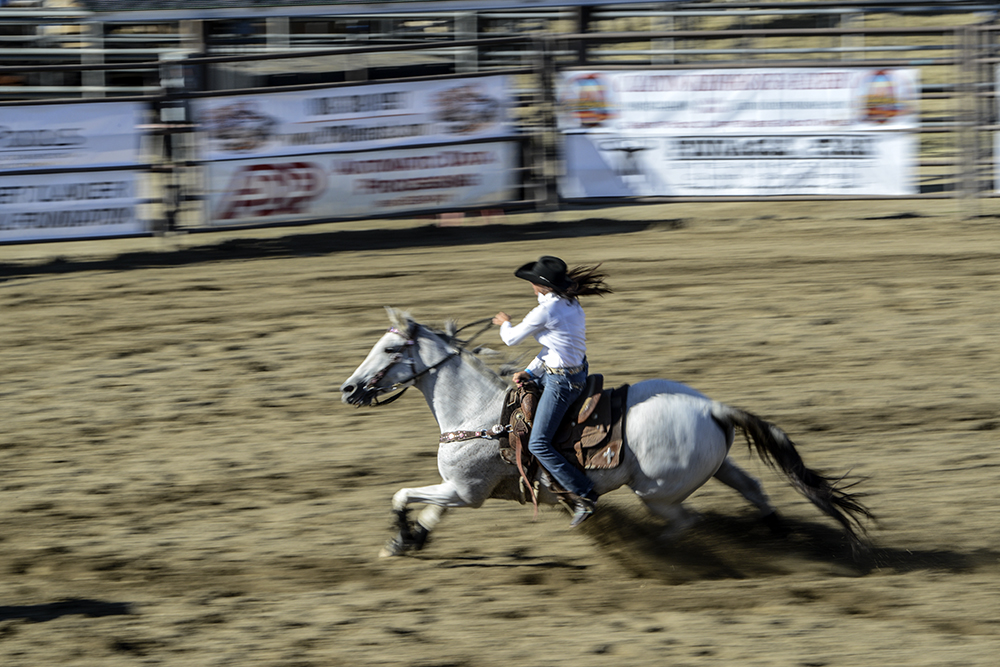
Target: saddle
{"x":590,"y":435}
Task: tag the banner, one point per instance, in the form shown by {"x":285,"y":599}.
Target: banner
{"x":353,"y":118}
{"x":69,"y":205}
{"x":996,"y":138}
{"x":360,"y":184}
{"x":44,"y":136}
{"x":793,"y":131}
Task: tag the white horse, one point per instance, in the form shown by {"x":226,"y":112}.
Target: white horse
{"x":676,"y":439}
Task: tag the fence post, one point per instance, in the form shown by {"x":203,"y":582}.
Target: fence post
{"x":990,"y":74}
{"x":174,"y":119}
{"x":467,"y":28}
{"x":93,"y":80}
{"x":968,"y":122}
{"x":545,"y":156}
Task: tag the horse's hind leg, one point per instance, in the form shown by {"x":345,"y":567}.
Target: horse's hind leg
{"x":750,"y":488}
{"x":678,"y":517}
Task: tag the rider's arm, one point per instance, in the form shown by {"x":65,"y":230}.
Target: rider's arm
{"x":532,"y":323}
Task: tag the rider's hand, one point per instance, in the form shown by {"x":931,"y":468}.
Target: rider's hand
{"x":521,"y":377}
{"x":500,"y":318}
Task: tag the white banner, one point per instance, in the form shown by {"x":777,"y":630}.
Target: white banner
{"x":69,"y":205}
{"x":739,"y":132}
{"x":996,"y":138}
{"x":353,"y":118}
{"x":360,"y":184}
{"x":70,"y":135}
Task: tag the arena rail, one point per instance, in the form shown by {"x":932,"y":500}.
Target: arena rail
{"x":165,"y":67}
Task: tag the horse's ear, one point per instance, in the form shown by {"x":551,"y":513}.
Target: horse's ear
{"x":399,"y":318}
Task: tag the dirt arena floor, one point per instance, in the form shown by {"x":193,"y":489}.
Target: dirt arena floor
{"x":180,"y":483}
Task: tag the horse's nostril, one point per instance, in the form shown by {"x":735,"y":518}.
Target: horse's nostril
{"x":347,"y":389}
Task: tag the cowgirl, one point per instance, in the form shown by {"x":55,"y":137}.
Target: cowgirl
{"x":560,"y":368}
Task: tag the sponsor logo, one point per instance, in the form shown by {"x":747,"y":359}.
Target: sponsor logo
{"x":238,"y":127}
{"x":628,"y":151}
{"x":263,"y":190}
{"x":881,"y":101}
{"x":587,"y":100}
{"x":465,"y":109}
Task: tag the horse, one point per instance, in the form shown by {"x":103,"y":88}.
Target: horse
{"x":675,"y":440}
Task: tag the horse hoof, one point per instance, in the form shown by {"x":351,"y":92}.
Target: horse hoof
{"x":392,"y":548}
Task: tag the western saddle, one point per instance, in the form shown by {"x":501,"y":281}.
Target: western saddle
{"x":590,"y":435}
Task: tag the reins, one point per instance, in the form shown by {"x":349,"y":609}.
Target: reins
{"x":486,"y":320}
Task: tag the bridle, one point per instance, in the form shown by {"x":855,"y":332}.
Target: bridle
{"x":405,"y":353}
{"x":402,"y":353}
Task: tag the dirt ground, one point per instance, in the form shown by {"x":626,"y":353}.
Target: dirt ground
{"x":181,"y":485}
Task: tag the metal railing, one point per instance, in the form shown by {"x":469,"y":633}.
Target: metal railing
{"x":52,"y":55}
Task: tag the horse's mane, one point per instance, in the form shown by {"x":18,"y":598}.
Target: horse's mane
{"x":470,"y":355}
{"x":402,"y":320}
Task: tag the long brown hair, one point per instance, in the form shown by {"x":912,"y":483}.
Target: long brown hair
{"x":587,"y":280}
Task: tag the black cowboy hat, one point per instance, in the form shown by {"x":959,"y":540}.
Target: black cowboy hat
{"x":548,"y":271}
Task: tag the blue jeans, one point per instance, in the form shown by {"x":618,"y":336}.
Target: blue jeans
{"x":558,"y":393}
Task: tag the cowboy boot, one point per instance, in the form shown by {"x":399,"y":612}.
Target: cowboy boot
{"x":583,"y":508}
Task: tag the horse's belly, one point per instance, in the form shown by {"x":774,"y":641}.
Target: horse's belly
{"x":676,"y":443}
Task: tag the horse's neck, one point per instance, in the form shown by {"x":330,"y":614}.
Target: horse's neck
{"x":462,"y":396}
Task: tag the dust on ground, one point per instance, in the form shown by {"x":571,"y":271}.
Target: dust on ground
{"x":181,"y":485}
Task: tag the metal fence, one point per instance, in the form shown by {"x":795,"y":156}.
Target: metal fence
{"x":53,"y":56}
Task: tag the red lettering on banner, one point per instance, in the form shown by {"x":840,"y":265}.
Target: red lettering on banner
{"x":262,"y":190}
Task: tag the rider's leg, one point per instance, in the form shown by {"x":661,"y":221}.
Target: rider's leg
{"x":558,"y":393}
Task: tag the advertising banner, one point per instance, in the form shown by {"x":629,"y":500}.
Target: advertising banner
{"x":69,"y":205}
{"x":70,"y":135}
{"x":996,"y":139}
{"x":353,"y":118}
{"x":791,"y":131}
{"x":332,"y":185}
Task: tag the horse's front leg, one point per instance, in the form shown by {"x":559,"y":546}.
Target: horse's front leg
{"x":413,"y":536}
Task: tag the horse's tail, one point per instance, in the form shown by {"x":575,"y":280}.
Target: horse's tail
{"x":776,"y":449}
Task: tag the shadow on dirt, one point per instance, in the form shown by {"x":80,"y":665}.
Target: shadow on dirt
{"x":38,"y":613}
{"x":742,"y":547}
{"x":325,"y":243}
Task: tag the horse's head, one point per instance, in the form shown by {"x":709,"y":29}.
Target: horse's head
{"x":407,"y":352}
{"x":388,"y":366}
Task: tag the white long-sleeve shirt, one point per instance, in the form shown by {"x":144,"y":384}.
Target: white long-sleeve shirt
{"x":561,"y":328}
